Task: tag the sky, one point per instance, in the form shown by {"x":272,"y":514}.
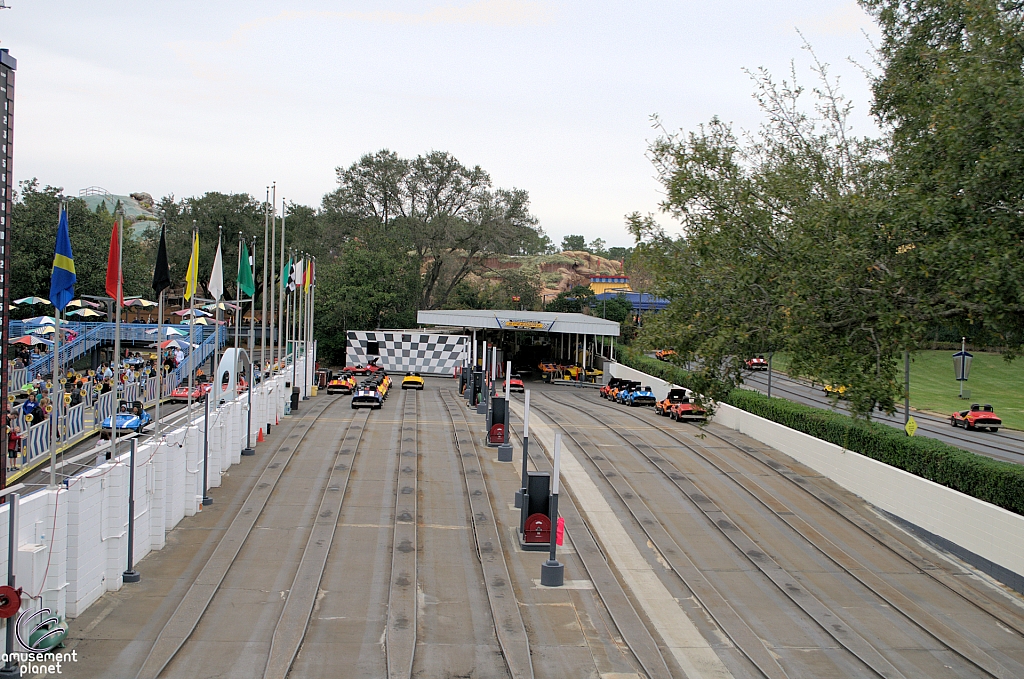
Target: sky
{"x":554,"y":97}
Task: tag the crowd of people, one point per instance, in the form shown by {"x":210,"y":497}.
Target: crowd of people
{"x":79,"y":386}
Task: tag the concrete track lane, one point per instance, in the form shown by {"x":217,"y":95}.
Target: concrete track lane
{"x":915,"y":620}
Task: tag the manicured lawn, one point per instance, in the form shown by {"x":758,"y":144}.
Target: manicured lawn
{"x":932,"y":387}
{"x":992,"y":380}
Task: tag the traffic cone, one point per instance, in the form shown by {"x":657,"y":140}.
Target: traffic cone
{"x":259,"y":439}
{"x":277,"y":420}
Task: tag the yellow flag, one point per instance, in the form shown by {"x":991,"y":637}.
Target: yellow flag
{"x":192,"y":275}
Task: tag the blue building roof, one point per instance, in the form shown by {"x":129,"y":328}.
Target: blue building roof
{"x":641,"y":301}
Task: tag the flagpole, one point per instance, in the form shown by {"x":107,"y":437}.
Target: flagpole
{"x":263,"y":313}
{"x":159,"y":359}
{"x":271,"y":270}
{"x":55,"y":382}
{"x":216,"y":318}
{"x":248,"y":450}
{"x":118,"y":299}
{"x":280,"y":296}
{"x":238,"y":294}
{"x":192,"y":325}
{"x":294,"y":329}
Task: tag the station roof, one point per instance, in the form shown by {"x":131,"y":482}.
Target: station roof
{"x":641,"y":301}
{"x":536,"y":321}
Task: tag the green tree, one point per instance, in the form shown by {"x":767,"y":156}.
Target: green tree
{"x":618,"y":308}
{"x":447,"y":213}
{"x":34,"y":218}
{"x":951,"y":92}
{"x":572,"y":301}
{"x":574,"y":243}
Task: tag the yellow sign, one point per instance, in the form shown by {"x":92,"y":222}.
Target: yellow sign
{"x":524,"y":325}
{"x":910,"y":427}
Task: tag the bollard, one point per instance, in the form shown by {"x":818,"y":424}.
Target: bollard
{"x":552,"y":573}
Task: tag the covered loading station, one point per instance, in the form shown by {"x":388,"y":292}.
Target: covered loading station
{"x":530,"y":337}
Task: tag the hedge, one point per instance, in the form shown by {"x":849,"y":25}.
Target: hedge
{"x":1000,"y":483}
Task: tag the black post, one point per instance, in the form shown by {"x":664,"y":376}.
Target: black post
{"x":248,"y":450}
{"x":769,"y":374}
{"x":207,"y":500}
{"x":552,"y":573}
{"x":130,"y":574}
{"x":11,"y":667}
{"x":523,"y":495}
{"x":906,"y":388}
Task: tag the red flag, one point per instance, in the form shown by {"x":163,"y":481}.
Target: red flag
{"x":115,"y":277}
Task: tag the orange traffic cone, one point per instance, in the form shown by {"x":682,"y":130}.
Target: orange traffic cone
{"x":259,"y":439}
{"x":277,"y":420}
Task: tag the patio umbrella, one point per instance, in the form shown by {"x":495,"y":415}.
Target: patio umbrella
{"x":30,"y":340}
{"x":186,"y":312}
{"x":168,"y":331}
{"x":139,"y":302}
{"x":83,"y":303}
{"x":31,"y":300}
{"x":87,"y":313}
{"x":43,"y":330}
{"x":41,"y":320}
{"x":176,"y":343}
{"x":223,"y":306}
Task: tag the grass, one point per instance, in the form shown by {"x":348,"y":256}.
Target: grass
{"x":932,"y":387}
{"x":992,"y":380}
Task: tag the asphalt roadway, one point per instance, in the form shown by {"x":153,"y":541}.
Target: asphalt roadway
{"x":382,"y":544}
{"x":1005,"y":444}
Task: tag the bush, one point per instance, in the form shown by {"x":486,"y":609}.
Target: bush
{"x":1000,"y":483}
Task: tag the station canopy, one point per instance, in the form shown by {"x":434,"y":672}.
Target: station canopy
{"x":524,"y":321}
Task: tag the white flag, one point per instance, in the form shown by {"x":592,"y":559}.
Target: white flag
{"x":297,"y":278}
{"x":217,"y":276}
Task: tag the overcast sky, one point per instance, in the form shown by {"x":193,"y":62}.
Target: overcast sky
{"x":550,"y":96}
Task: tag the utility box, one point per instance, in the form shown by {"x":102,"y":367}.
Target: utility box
{"x":498,"y":411}
{"x":531,"y":528}
{"x":296,"y":394}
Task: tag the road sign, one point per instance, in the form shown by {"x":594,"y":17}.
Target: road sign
{"x":910,"y":427}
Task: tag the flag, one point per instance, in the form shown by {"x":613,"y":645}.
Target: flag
{"x":162,"y":273}
{"x":245,"y":282}
{"x":216,"y":286}
{"x":192,"y":275}
{"x":307,"y":278}
{"x":115,"y":277}
{"x":62,"y":278}
{"x":286,"y":274}
{"x":297,"y":275}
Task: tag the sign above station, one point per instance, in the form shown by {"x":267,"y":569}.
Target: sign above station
{"x":523,"y":324}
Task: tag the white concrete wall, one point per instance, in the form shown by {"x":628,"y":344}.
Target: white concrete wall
{"x":73,"y":541}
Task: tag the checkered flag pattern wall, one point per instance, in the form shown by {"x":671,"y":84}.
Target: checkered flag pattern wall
{"x":408,"y":352}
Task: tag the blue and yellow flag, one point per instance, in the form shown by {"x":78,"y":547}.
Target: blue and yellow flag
{"x":62,"y":278}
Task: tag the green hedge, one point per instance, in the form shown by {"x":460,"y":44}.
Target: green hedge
{"x":1001,"y":483}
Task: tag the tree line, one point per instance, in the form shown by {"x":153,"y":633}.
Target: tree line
{"x":395,"y":236}
{"x":843,"y":250}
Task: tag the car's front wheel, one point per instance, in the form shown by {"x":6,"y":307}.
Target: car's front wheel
{"x":952,"y":422}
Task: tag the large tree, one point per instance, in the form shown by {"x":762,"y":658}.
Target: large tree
{"x":448,"y":213}
{"x":951,"y":92}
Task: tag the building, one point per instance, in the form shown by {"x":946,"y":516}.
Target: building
{"x":601,"y":283}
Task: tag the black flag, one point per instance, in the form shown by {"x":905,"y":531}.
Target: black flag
{"x":162,"y":274}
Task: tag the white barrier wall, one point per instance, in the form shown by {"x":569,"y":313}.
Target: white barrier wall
{"x":73,"y":542}
{"x":980,"y":527}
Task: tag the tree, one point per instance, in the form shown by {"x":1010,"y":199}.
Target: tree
{"x":784,"y":246}
{"x":574,"y":243}
{"x":951,"y":91}
{"x":447,"y":213}
{"x":618,"y":308}
{"x":571,"y":301}
{"x":34,"y":218}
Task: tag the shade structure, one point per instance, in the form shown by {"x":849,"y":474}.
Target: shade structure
{"x":31,"y":340}
{"x":223,"y":306}
{"x":31,"y":300}
{"x":176,"y":343}
{"x":139,"y":302}
{"x":85,"y":313}
{"x":79,"y":303}
{"x":41,"y":320}
{"x":169,"y":331}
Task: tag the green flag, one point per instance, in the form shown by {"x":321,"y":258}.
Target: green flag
{"x":245,"y":282}
{"x":286,"y":274}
